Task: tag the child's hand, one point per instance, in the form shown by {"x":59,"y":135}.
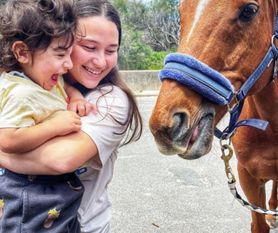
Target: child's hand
{"x":65,"y":122}
{"x":81,"y":107}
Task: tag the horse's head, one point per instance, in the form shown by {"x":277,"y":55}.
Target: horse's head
{"x":229,"y":36}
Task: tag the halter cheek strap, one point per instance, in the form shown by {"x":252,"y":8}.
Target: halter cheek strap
{"x":242,"y":93}
{"x":217,"y":88}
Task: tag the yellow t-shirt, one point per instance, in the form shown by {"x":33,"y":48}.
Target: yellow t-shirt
{"x":24,"y":103}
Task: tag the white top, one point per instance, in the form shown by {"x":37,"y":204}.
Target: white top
{"x":95,"y":209}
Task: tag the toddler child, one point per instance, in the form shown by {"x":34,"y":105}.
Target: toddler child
{"x":36,"y":38}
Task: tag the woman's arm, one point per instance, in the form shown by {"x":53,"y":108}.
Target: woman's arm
{"x":57,"y":156}
{"x":101,"y":135}
{"x":20,"y":140}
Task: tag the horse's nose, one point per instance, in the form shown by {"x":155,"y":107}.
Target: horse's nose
{"x":180,"y":126}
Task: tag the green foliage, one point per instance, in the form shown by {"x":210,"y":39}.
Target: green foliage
{"x":142,"y":57}
{"x":155,"y":60}
{"x":150,"y":31}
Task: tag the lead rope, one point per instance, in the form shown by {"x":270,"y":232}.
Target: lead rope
{"x":227,"y":154}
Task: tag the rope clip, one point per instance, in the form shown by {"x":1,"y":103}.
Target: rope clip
{"x":227,"y":154}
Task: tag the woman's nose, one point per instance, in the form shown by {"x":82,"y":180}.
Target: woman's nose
{"x":99,"y":60}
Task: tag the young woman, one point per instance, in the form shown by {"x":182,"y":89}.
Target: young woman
{"x":93,"y":150}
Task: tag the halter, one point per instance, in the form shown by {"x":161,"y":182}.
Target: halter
{"x":216,"y":87}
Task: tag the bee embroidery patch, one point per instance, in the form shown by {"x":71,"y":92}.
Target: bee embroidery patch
{"x":2,"y":203}
{"x":53,"y":214}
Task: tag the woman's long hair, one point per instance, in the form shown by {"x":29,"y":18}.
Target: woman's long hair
{"x":89,"y":8}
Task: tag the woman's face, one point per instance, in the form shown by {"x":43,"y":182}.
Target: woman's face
{"x":95,"y":53}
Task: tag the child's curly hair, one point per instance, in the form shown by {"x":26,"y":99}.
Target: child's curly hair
{"x":36,"y":23}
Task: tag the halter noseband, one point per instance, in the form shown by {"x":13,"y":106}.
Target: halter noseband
{"x":217,"y":88}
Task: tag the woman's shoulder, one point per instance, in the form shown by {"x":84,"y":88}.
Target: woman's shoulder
{"x":108,"y":93}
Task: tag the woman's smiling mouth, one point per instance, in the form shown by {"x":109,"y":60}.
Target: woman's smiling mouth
{"x":95,"y":72}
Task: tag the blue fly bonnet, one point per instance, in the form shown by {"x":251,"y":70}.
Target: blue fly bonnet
{"x":215,"y":87}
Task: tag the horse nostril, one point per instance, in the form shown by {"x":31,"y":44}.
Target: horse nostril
{"x":180,"y":118}
{"x":180,"y":126}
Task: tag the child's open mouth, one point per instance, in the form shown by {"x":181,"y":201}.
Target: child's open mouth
{"x":54,"y":79}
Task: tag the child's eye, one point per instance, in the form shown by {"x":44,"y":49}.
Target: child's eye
{"x":61,"y":55}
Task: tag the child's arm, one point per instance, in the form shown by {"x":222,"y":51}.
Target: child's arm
{"x":19,"y":140}
{"x":77,"y":102}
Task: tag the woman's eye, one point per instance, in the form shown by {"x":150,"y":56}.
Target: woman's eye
{"x":248,"y":12}
{"x":89,"y":48}
{"x":111,"y":51}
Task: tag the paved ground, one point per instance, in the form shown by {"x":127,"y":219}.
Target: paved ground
{"x":154,"y":193}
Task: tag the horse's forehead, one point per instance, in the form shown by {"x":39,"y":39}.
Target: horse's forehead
{"x":193,"y":12}
{"x":213,"y":7}
{"x":200,"y":18}
{"x":200,"y":7}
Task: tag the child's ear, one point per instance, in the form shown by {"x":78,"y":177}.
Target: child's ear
{"x":21,"y":52}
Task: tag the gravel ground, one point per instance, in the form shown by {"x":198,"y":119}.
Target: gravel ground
{"x":154,"y":193}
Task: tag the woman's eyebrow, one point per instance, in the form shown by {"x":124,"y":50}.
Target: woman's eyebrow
{"x":114,"y":45}
{"x":94,"y":41}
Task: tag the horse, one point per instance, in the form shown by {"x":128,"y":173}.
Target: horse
{"x":224,"y":39}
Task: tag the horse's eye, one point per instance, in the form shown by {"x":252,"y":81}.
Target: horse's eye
{"x":248,"y":12}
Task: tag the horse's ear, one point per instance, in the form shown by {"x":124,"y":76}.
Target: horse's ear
{"x":21,"y":52}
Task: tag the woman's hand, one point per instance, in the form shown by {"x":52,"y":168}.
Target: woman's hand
{"x":64,"y":122}
{"x":81,"y":106}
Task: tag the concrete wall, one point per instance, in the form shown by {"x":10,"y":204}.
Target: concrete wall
{"x":142,"y":82}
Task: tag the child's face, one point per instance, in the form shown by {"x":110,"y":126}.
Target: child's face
{"x":46,"y":66}
{"x":95,"y":53}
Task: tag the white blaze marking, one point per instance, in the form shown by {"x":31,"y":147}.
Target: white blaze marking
{"x":199,"y":11}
